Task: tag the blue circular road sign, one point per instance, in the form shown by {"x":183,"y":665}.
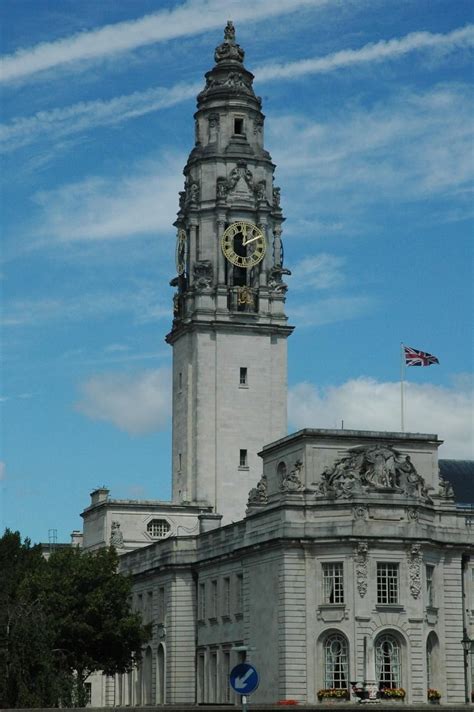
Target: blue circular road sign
{"x":244,"y":679}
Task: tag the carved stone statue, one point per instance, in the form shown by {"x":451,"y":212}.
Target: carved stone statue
{"x":276,"y":198}
{"x":291,"y":482}
{"x":221,"y":188}
{"x":415,"y":561}
{"x":229,"y":32}
{"x":203,"y":274}
{"x":116,"y":536}
{"x":261,"y":191}
{"x":194,"y":193}
{"x":360,"y":561}
{"x":275,"y":281}
{"x":258,"y":495}
{"x":446,"y":490}
{"x":370,"y":469}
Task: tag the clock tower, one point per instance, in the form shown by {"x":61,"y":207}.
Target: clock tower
{"x":229,"y":329}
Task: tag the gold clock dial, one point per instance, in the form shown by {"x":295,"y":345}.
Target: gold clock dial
{"x":181,"y":251}
{"x":243,"y":244}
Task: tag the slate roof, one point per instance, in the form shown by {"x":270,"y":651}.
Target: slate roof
{"x":461,"y":475}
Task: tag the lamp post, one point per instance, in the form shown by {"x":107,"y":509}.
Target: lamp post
{"x":466,"y":646}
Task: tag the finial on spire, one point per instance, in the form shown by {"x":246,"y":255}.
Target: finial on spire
{"x":229,"y":32}
{"x":229,"y":49}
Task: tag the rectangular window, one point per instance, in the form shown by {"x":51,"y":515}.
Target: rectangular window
{"x":201,"y":692}
{"x":243,"y":376}
{"x":333,"y":582}
{"x":180,"y":462}
{"x":180,"y":381}
{"x":226,"y":597}
{"x":213,"y":677}
{"x":225,"y":687}
{"x":239,"y":593}
{"x":213,"y":599}
{"x":238,"y":125}
{"x":202,"y":601}
{"x":243,"y":462}
{"x":161,"y":604}
{"x":429,"y":586}
{"x":149,"y":606}
{"x":88,"y":691}
{"x":387,"y":583}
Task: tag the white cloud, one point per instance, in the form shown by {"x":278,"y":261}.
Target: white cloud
{"x":366,"y":404}
{"x":190,"y":18}
{"x":66,"y":121}
{"x":373,"y":52}
{"x":69,"y":120}
{"x":138,"y":404}
{"x":329,"y":310}
{"x":393,"y":150}
{"x":140,"y":302}
{"x":321,"y":271}
{"x":142,"y":202}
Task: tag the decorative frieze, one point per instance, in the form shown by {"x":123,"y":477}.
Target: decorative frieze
{"x":415,"y":561}
{"x":360,"y":560}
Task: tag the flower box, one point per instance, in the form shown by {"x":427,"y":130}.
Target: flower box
{"x":392,"y":694}
{"x":333,"y":694}
{"x":434,"y":696}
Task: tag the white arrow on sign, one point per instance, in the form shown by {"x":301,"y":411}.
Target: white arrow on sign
{"x":239,"y":683}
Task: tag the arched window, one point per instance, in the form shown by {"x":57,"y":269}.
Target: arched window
{"x":158,"y":528}
{"x":388,"y":662}
{"x":336,"y":672}
{"x":281,"y":471}
{"x":432,"y":661}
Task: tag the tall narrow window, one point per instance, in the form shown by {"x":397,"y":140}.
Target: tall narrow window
{"x":180,"y":381}
{"x":213,"y":599}
{"x":429,"y":586}
{"x":239,"y":590}
{"x":388,"y":662}
{"x":213,"y":677}
{"x":202,"y":601}
{"x":226,"y":597}
{"x":243,"y":376}
{"x":243,"y":462}
{"x":238,"y":125}
{"x":333,"y":582}
{"x":335,"y":662}
{"x":225,"y":687}
{"x":197,"y":242}
{"x":179,"y":462}
{"x":387,"y":583}
{"x":161,"y":604}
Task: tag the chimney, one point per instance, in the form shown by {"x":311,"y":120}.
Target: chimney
{"x":101,"y":494}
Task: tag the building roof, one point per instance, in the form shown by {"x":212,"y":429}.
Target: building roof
{"x":461,"y":475}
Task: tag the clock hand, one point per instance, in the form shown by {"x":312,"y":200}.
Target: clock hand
{"x":252,"y":239}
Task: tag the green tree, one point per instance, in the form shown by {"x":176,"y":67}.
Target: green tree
{"x":62,"y":619}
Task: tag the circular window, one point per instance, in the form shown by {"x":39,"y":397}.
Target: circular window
{"x":158,"y":528}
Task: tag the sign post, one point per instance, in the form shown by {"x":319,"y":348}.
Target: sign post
{"x":244,"y":680}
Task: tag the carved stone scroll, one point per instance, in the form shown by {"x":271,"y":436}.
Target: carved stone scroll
{"x":415,"y":561}
{"x":360,"y":560}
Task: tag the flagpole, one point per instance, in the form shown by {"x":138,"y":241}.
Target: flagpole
{"x":402,"y":387}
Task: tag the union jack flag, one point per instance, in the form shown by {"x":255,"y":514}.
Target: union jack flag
{"x":418,"y":358}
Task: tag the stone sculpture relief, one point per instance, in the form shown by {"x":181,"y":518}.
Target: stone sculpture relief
{"x":276,"y":199}
{"x":193,"y":193}
{"x":413,"y":514}
{"x":415,"y":561}
{"x":291,"y":481}
{"x":258,"y":495}
{"x":203,"y":274}
{"x":214,"y":121}
{"x":360,"y":512}
{"x":445,"y":489}
{"x":373,"y":468}
{"x":258,"y":125}
{"x":116,"y":536}
{"x":240,"y":171}
{"x":275,"y":281}
{"x":221,"y":188}
{"x":360,"y":559}
{"x":261,"y":191}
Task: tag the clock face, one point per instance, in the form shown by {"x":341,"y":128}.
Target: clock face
{"x":181,"y":251}
{"x":243,"y":244}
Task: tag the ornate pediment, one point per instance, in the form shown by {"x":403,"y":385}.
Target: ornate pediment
{"x":372,"y":468}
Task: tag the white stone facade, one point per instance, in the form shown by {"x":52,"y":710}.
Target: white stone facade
{"x":351,"y":562}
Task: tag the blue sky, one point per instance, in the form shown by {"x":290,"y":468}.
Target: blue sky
{"x":369,"y":111}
